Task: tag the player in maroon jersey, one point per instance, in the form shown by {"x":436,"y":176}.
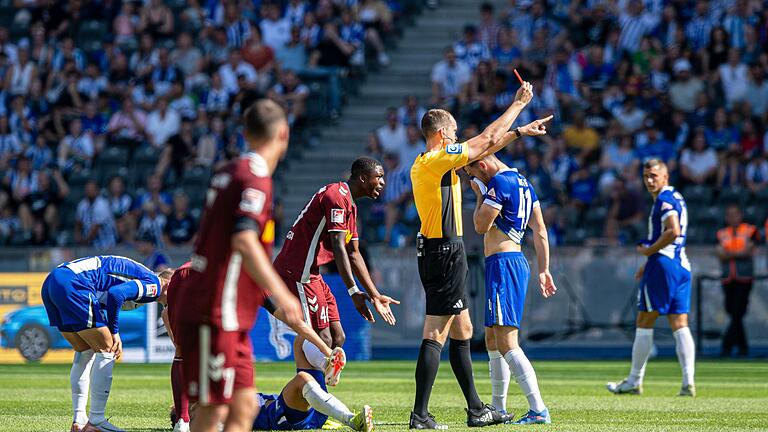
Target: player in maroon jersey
{"x":325,"y":231}
{"x":232,"y":274}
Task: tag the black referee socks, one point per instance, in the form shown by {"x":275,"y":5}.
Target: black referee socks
{"x":461,"y":363}
{"x":426,"y":372}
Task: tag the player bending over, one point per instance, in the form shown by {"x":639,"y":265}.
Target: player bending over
{"x":325,"y":231}
{"x":333,"y":360}
{"x":83,"y":298}
{"x":665,"y":282}
{"x":504,"y":208}
{"x":304,"y":403}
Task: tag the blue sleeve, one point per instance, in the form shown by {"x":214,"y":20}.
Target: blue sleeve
{"x":116,"y":296}
{"x":668,"y":206}
{"x":493,"y":196}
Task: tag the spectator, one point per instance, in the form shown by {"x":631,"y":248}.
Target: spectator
{"x":292,"y":95}
{"x":470,"y":50}
{"x":162,"y":123}
{"x":10,"y":145}
{"x":234,"y":68}
{"x":583,"y":188}
{"x":626,"y":208}
{"x":716,"y":53}
{"x":92,"y":83}
{"x":757,"y":173}
{"x":94,"y":225}
{"x":151,"y":222}
{"x":721,"y":135}
{"x":120,"y":204}
{"x":293,"y":54}
{"x":188,"y":59}
{"x":194,"y":16}
{"x":355,"y":33}
{"x":597,"y":73}
{"x":618,"y":155}
{"x":733,"y":76}
{"x":415,"y":145}
{"x":538,"y":176}
{"x":180,"y":152}
{"x":698,"y":29}
{"x":698,"y":164}
{"x":40,"y":154}
{"x":180,"y":229}
{"x":651,"y":144}
{"x":21,"y":74}
{"x":125,"y":24}
{"x":155,"y":194}
{"x":156,"y":19}
{"x":217,"y":97}
{"x":215,"y":46}
{"x":489,"y":29}
{"x":42,"y":205}
{"x":580,"y":137}
{"x":449,"y":81}
{"x":483,"y":82}
{"x":730,"y":172}
{"x":630,"y":116}
{"x":410,"y":113}
{"x":154,"y":259}
{"x":559,"y":164}
{"x":377,"y":19}
{"x":295,"y":11}
{"x":392,"y":136}
{"x":331,"y":51}
{"x":260,"y":55}
{"x":635,"y":23}
{"x":127,"y":124}
{"x":9,"y":222}
{"x":750,"y":142}
{"x":757,"y":91}
{"x":76,"y":150}
{"x":683,"y":91}
{"x":275,"y":29}
{"x":398,"y":196}
{"x":507,"y":52}
{"x":736,"y":247}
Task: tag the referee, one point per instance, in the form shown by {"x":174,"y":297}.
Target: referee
{"x":440,"y":251}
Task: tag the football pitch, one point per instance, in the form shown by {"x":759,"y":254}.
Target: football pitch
{"x":733,"y":395}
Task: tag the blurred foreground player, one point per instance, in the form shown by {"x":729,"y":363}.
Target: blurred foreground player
{"x":331,"y":367}
{"x":665,"y":282}
{"x":441,"y":258}
{"x":233,"y":275}
{"x":83,"y":299}
{"x":325,"y":231}
{"x":506,"y":205}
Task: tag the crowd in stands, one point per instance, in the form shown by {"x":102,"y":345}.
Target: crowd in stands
{"x":114,"y":113}
{"x":685,"y":81}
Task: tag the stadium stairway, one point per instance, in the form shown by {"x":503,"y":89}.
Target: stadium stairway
{"x":408,"y":74}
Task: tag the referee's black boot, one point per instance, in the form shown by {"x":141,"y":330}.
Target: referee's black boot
{"x":428,"y":422}
{"x":486,"y":416}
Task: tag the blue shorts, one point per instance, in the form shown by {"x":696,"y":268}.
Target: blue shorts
{"x":506,"y":283}
{"x":665,"y":287}
{"x":70,"y":307}
{"x":279,"y":416}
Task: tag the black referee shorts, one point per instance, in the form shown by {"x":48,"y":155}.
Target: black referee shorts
{"x":443,"y":272}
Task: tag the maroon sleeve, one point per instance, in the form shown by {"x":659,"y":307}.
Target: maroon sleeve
{"x":336,"y":209}
{"x":252,"y":203}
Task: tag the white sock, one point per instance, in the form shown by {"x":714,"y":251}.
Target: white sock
{"x":526,"y":378}
{"x":313,"y":354}
{"x":101,"y":383}
{"x":686,"y":353}
{"x":641,"y":350}
{"x":326,"y":403}
{"x":499,"y":370}
{"x":79,"y":381}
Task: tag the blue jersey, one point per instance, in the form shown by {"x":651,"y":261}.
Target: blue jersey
{"x":668,"y":203}
{"x":274,"y":414}
{"x":106,"y":279}
{"x":511,"y":194}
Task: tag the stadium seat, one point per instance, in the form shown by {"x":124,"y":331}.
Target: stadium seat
{"x":78,"y":179}
{"x":734,"y":195}
{"x":755,"y":214}
{"x":197,"y":176}
{"x":761,"y":196}
{"x":698,"y":194}
{"x":113,"y":155}
{"x":146,"y":154}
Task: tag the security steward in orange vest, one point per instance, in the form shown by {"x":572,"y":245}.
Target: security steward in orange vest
{"x":736,"y":249}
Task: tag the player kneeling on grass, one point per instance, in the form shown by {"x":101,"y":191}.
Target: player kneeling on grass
{"x":83,"y":298}
{"x":504,"y":208}
{"x":304,"y":403}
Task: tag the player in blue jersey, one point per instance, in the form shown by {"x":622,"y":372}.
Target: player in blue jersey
{"x":304,"y":403}
{"x":83,"y":299}
{"x":665,"y":282}
{"x":506,"y":206}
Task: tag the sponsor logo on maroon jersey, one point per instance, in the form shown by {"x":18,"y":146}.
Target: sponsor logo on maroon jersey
{"x":252,"y":200}
{"x":337,"y":215}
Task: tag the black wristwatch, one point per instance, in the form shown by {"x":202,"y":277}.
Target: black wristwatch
{"x":517,"y":132}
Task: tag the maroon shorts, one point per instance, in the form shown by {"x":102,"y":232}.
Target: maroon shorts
{"x":317,"y":301}
{"x":216,"y":362}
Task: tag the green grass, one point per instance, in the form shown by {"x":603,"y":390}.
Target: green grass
{"x":732,"y":396}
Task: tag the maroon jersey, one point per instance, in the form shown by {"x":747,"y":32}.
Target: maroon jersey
{"x":308,"y":244}
{"x":223,"y":295}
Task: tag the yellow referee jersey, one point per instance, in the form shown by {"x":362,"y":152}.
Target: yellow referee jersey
{"x":437,"y":191}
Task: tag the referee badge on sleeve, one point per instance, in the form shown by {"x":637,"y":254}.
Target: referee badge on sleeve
{"x":453,"y":149}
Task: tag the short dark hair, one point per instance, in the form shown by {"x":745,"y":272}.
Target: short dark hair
{"x":654,"y":162}
{"x":262,"y":118}
{"x":434,"y":120}
{"x":363,"y":166}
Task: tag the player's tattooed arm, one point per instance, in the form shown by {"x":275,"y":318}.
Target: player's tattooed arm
{"x":380,"y":302}
{"x":670,"y":233}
